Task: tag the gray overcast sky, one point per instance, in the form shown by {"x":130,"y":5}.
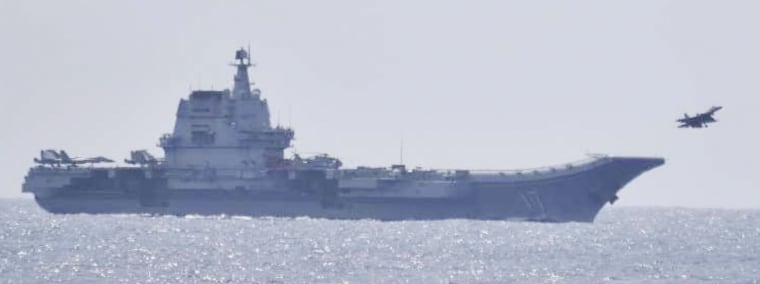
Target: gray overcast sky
{"x":465,"y":84}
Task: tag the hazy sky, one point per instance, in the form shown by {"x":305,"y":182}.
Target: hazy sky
{"x":464,"y":84}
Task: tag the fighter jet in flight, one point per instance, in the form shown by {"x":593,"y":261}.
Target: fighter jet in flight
{"x":700,"y":120}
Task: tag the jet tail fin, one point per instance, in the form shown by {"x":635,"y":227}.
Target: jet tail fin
{"x":65,"y":157}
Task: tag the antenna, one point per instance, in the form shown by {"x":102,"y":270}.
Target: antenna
{"x":250,"y":64}
{"x":401,"y":152}
{"x":289,"y":114}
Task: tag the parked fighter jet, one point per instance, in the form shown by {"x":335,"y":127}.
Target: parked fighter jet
{"x":65,"y":159}
{"x":48,"y":157}
{"x":141,"y":158}
{"x":700,"y":120}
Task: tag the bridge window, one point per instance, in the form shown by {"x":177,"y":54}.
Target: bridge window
{"x":202,"y":138}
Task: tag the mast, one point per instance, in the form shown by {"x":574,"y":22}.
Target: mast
{"x":242,"y":86}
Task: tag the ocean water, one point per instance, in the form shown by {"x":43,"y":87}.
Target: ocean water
{"x":624,"y":245}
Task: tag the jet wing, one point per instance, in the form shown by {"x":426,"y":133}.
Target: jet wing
{"x":99,"y":159}
{"x":49,"y":155}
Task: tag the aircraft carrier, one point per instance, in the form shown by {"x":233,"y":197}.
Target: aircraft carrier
{"x":225,"y":158}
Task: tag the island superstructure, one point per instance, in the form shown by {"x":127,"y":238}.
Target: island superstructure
{"x":225,"y":157}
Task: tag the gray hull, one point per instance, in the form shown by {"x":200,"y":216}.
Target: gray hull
{"x":573,"y":197}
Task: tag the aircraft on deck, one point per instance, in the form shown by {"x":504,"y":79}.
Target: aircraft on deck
{"x":141,"y":158}
{"x":57,"y":158}
{"x":49,"y":157}
{"x":65,"y":159}
{"x":700,"y":120}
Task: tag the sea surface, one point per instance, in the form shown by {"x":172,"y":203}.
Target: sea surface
{"x":624,"y":245}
